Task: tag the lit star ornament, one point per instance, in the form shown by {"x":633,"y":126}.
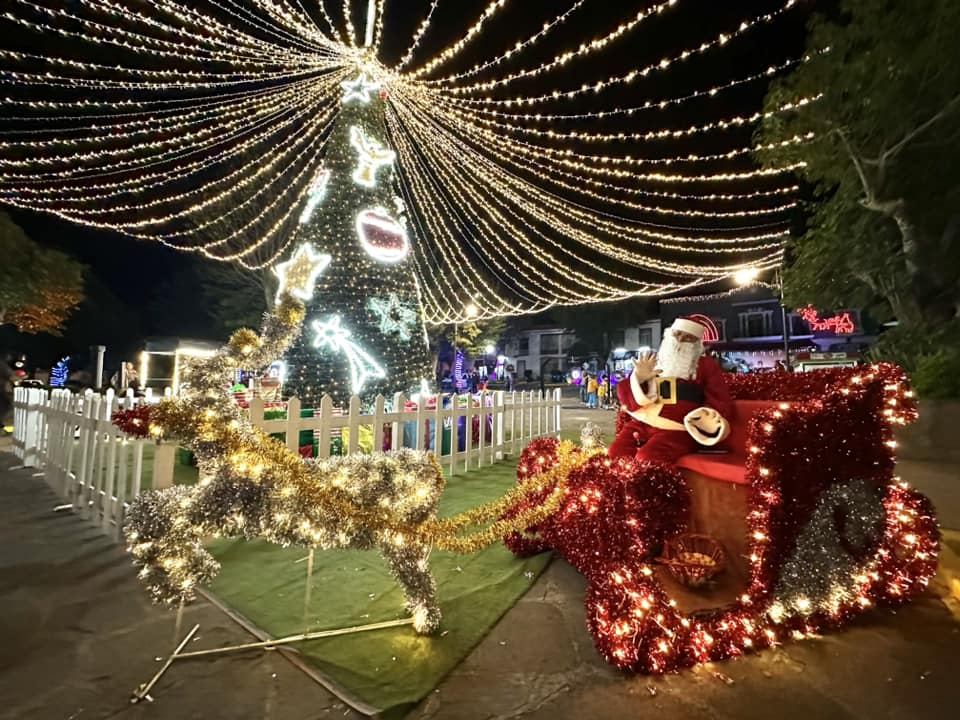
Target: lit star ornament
{"x":299,"y":274}
{"x":395,"y":316}
{"x":372,"y":155}
{"x":358,"y":89}
{"x":330,"y":335}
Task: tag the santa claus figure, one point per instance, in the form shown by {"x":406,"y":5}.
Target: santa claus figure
{"x":676,"y":399}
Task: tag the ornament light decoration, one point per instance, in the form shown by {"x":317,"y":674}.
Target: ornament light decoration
{"x":395,"y":316}
{"x":329,"y":334}
{"x":358,"y":89}
{"x":371,"y":156}
{"x":299,"y":274}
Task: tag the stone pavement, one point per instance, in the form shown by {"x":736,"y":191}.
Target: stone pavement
{"x":79,"y":632}
{"x":80,"y":635}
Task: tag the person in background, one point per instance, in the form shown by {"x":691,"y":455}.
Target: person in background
{"x":592,"y":387}
{"x":603,"y":391}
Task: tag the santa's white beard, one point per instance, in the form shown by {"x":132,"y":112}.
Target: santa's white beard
{"x":679,"y":359}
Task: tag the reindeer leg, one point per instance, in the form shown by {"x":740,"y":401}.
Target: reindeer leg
{"x":410,"y":565}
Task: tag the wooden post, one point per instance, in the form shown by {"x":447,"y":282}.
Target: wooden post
{"x":557,"y":398}
{"x":423,"y":437}
{"x":396,"y":428}
{"x":454,"y":432}
{"x":378,"y":421}
{"x":292,"y":432}
{"x":353,"y":418}
{"x":326,"y":416}
{"x":163,"y":460}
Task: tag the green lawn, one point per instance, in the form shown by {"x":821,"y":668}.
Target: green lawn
{"x":389,"y":669}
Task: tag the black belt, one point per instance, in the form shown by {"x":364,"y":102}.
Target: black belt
{"x":671,"y":391}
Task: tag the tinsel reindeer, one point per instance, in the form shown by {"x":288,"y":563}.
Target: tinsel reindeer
{"x":252,"y":486}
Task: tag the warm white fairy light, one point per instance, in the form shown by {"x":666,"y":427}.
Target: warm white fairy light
{"x":218,"y":148}
{"x":597,"y":86}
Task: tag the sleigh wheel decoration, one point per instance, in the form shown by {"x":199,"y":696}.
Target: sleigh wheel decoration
{"x":828,"y":531}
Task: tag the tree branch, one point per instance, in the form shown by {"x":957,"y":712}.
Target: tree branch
{"x":888,"y":155}
{"x":858,"y":164}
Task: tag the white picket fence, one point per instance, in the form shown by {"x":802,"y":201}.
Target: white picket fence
{"x":98,"y":470}
{"x":463,"y":431}
{"x":85,"y":458}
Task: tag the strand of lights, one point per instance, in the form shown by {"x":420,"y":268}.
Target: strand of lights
{"x":160,"y":150}
{"x":132,"y":41}
{"x":551,"y":174}
{"x":713,"y":296}
{"x":334,"y":28}
{"x":247,"y":16}
{"x":234,"y":181}
{"x":281,"y":196}
{"x":293,"y":27}
{"x":378,"y":34}
{"x":615,"y":250}
{"x":594,"y":162}
{"x":446,"y":55}
{"x":518,"y":235}
{"x":560,"y":59}
{"x":522,"y":45}
{"x":462,"y":152}
{"x":648,"y":135}
{"x":147,"y":127}
{"x":597,"y":86}
{"x":348,"y":20}
{"x":232,"y":40}
{"x":151,"y":181}
{"x":563,"y":207}
{"x":662,"y":104}
{"x":417,"y":38}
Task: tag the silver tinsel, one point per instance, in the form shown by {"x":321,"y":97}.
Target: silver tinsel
{"x":820,"y":574}
{"x":591,"y":436}
{"x":252,"y":487}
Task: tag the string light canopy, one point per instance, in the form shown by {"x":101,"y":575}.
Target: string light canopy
{"x":529,"y":179}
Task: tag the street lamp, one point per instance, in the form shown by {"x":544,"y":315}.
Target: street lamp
{"x":748,"y":276}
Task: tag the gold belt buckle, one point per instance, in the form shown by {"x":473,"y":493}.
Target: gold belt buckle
{"x":667,"y":390}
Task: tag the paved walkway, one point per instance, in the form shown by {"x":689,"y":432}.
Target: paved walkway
{"x":80,"y":634}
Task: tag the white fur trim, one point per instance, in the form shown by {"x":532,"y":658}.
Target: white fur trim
{"x":639,"y":395}
{"x":706,"y":426}
{"x":689,"y":326}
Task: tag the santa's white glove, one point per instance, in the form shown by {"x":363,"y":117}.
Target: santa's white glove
{"x":706,"y":426}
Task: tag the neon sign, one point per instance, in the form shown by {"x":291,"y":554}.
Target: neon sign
{"x":711,"y":334}
{"x":839,"y":324}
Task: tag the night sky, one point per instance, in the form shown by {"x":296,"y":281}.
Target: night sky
{"x":135,"y":271}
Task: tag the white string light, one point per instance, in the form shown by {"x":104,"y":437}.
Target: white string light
{"x":206,"y":131}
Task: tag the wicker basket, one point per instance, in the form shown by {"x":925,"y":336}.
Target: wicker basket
{"x":693,"y":560}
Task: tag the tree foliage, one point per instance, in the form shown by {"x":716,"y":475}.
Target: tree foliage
{"x":471,"y":337}
{"x":883,"y":162}
{"x":39,"y":287}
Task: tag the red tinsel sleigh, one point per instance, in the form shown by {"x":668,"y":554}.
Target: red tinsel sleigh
{"x":831,"y":530}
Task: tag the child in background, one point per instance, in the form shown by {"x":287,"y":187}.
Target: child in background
{"x":592,"y":387}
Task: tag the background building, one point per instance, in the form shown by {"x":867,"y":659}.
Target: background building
{"x":750,"y":333}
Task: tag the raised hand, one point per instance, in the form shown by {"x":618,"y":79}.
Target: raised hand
{"x":645,"y":367}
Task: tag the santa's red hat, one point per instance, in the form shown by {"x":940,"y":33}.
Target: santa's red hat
{"x":689,"y":325}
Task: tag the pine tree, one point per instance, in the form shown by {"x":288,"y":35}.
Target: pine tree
{"x":364,"y":331}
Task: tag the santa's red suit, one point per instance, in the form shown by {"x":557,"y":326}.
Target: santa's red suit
{"x":669,"y":416}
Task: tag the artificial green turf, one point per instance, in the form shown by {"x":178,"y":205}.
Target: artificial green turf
{"x":389,"y":669}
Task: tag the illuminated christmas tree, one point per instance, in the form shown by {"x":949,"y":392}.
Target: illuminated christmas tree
{"x":363,"y":332}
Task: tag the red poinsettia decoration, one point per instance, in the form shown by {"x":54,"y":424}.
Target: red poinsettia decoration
{"x":134,"y":422}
